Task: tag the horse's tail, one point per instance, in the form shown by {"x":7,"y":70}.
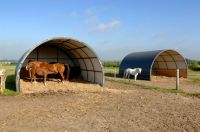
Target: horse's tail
{"x":68,"y":71}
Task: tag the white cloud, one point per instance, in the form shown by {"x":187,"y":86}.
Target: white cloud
{"x":90,"y":17}
{"x":95,"y":24}
{"x":107,"y":26}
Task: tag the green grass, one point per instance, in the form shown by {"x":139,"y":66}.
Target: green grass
{"x":111,"y":71}
{"x":10,"y":89}
{"x":8,"y":92}
{"x":194,"y":76}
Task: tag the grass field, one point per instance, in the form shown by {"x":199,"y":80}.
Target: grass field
{"x":193,"y":77}
{"x":111,"y":71}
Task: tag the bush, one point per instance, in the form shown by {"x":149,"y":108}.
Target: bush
{"x":111,"y":63}
{"x":194,"y":66}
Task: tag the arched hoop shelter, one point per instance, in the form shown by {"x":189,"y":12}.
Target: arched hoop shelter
{"x":83,"y":60}
{"x":158,"y":63}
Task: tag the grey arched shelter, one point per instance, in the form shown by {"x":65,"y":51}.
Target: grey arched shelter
{"x":64,"y":50}
{"x":159,"y":63}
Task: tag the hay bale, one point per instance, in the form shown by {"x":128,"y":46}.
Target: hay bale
{"x":3,"y":76}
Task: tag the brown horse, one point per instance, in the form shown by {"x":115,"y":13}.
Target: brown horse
{"x":43,"y":69}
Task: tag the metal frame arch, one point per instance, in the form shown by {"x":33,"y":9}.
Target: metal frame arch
{"x":169,"y":55}
{"x":25,"y":55}
{"x":88,"y":58}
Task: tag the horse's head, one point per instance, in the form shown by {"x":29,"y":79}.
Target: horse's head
{"x":28,"y":65}
{"x":139,"y":70}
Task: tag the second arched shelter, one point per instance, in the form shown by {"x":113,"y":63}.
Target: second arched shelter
{"x":158,"y":63}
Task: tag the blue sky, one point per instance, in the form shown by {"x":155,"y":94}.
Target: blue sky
{"x":112,"y":28}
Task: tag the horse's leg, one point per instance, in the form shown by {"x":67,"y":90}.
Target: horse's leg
{"x":129,"y":77}
{"x":135,"y":76}
{"x":45,"y":78}
{"x":30,"y":75}
{"x":33,"y":76}
{"x":62,"y":77}
{"x":34,"y":79}
{"x":127,"y":74}
{"x":124,"y":74}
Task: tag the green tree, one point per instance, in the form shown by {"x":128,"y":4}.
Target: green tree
{"x":194,"y":66}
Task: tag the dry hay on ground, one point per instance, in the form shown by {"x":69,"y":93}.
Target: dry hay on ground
{"x":54,"y":85}
{"x":165,"y":78}
{"x":170,"y":82}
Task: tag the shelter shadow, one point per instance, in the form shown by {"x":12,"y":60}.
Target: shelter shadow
{"x":10,"y":83}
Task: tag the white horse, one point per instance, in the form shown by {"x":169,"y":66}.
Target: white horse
{"x":135,"y":72}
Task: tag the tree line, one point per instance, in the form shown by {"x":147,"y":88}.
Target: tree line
{"x":111,"y":63}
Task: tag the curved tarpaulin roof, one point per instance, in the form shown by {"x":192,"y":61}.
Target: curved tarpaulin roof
{"x":159,"y":62}
{"x":64,"y":50}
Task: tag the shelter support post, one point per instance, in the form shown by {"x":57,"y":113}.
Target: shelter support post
{"x":115,"y":73}
{"x":177,"y":79}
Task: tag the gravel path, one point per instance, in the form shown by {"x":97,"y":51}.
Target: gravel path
{"x":116,"y":107}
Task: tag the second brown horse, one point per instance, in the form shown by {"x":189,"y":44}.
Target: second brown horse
{"x":43,"y":69}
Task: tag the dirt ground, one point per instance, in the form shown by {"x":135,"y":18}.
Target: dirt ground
{"x":170,"y":82}
{"x":87,"y":107}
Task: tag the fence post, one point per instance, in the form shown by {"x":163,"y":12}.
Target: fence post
{"x":177,"y":79}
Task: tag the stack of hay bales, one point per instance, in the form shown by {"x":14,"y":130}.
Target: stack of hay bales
{"x":3,"y":76}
